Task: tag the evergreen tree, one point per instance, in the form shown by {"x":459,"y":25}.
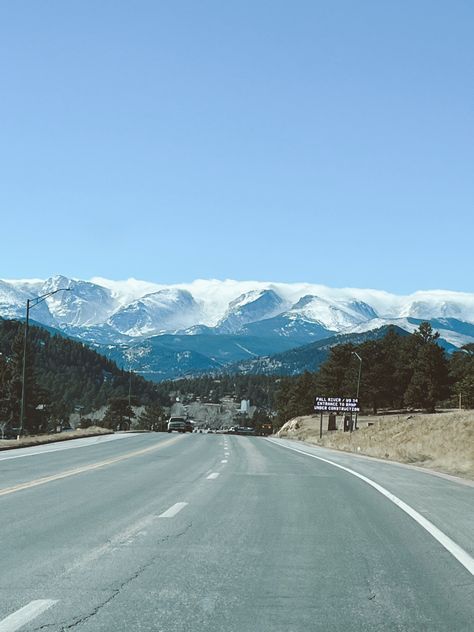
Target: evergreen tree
{"x":337,"y":375}
{"x":430,"y":378}
{"x":462,"y":376}
{"x":118,"y":415}
{"x":152,"y":418}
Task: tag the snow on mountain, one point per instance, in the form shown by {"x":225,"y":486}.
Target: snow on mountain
{"x":439,"y":304}
{"x":160,"y":312}
{"x":101,"y":309}
{"x":125,"y":292}
{"x":13,"y":303}
{"x":335,"y":316}
{"x":84,"y":305}
{"x":250,"y":307}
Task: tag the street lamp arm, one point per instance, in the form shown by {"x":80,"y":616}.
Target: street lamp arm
{"x":357,"y":356}
{"x":43,"y":297}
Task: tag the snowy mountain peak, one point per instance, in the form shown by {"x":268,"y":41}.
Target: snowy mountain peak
{"x":335,"y":315}
{"x":250,"y":307}
{"x":56,"y":283}
{"x":84,"y":305}
{"x":166,"y":310}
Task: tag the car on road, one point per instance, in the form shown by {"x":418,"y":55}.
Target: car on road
{"x":241,"y":430}
{"x":245,"y":430}
{"x":177,"y":424}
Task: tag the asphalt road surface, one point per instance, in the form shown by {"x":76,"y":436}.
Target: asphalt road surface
{"x":220,"y":533}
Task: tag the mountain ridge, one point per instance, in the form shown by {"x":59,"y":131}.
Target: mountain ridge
{"x":120,"y":315}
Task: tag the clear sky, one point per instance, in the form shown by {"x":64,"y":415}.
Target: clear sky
{"x":322,"y":141}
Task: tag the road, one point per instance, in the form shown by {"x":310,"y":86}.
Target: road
{"x":217,"y":533}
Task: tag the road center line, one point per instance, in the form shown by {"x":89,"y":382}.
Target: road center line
{"x":212,"y":476}
{"x":85,"y":468}
{"x":224,"y":461}
{"x":172,"y":511}
{"x":456,"y":551}
{"x":21,"y":617}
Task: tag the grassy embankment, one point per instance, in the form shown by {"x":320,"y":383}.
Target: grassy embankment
{"x":442,"y":441}
{"x":25,"y":442}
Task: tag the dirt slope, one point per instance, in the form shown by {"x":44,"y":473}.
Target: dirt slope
{"x":443,"y":441}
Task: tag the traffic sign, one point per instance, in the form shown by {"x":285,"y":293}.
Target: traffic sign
{"x":336,"y":404}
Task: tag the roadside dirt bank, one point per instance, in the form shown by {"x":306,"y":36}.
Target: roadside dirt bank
{"x":25,"y":442}
{"x":440,"y":441}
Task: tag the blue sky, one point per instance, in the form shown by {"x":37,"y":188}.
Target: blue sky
{"x":328,"y":142}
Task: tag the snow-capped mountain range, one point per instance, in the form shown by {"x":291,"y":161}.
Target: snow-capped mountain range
{"x":138,"y":309}
{"x":250,"y":317}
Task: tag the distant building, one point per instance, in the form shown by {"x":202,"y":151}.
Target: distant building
{"x":244,"y":406}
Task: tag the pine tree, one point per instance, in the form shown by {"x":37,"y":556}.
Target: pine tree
{"x":118,"y":414}
{"x":430,"y":379}
{"x":337,"y":375}
{"x":152,"y":418}
{"x":462,"y":375}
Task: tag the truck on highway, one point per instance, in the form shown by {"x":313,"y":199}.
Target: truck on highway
{"x":179,"y":424}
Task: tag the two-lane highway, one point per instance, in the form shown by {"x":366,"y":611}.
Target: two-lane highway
{"x":224,"y":533}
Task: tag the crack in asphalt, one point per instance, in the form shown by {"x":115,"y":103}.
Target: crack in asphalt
{"x":116,"y":591}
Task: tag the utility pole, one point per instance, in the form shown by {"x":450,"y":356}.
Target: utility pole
{"x":129,"y":398}
{"x":29,"y":304}
{"x":23,"y":371}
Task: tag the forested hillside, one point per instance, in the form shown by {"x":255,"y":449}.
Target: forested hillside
{"x":62,"y":375}
{"x":411,"y":371}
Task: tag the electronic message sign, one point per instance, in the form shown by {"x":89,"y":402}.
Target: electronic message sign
{"x":336,"y":405}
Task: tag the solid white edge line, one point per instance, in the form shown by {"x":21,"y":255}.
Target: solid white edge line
{"x":21,"y":617}
{"x":213,"y":476}
{"x":171,"y":512}
{"x":456,"y":551}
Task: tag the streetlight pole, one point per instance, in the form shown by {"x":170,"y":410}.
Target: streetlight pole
{"x":358,"y":381}
{"x":29,"y":304}
{"x":129,"y":398}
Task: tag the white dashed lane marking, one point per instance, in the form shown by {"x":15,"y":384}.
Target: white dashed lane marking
{"x":212,"y":476}
{"x":172,"y":511}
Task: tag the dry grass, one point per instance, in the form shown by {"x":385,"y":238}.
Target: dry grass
{"x":442,"y":441}
{"x":25,"y":442}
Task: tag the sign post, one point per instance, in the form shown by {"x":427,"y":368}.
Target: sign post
{"x":335,"y":405}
